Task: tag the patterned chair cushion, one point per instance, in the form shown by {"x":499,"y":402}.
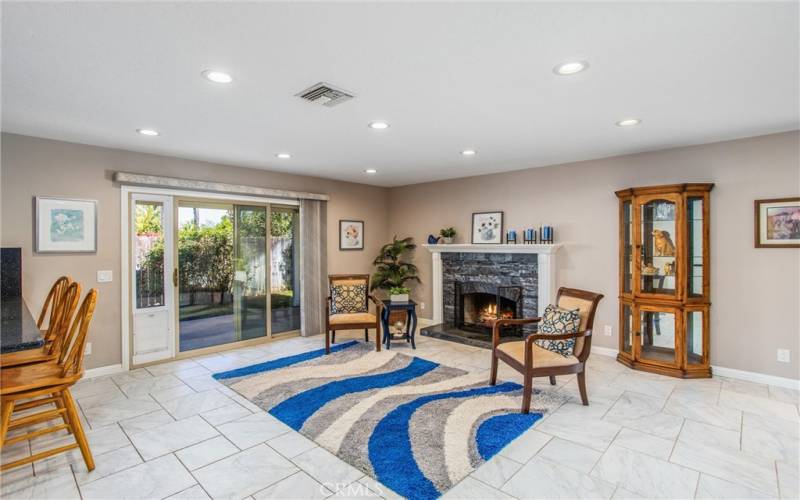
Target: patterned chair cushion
{"x":555,"y":321}
{"x":348,"y":298}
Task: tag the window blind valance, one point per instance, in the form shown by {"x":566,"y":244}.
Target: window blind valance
{"x":213,"y":187}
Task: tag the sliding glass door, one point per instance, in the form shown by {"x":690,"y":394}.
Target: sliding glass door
{"x":229,"y":256}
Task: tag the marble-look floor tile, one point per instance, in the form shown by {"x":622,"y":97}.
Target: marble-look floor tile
{"x":789,"y":428}
{"x":118,"y":409}
{"x":735,"y":466}
{"x":712,"y":488}
{"x":291,"y":444}
{"x":745,"y":387}
{"x":253,"y":429}
{"x":131,"y":376}
{"x":206,"y":452}
{"x":192,"y":404}
{"x":497,"y":471}
{"x":380,"y":489}
{"x":568,"y":423}
{"x":326,"y":467}
{"x":712,"y":414}
{"x":158,"y":478}
{"x":146,"y":422}
{"x":224,"y":414}
{"x":298,"y":486}
{"x":788,"y":479}
{"x":526,"y":446}
{"x":58,"y":485}
{"x":783,"y":394}
{"x":93,"y":386}
{"x":758,"y":405}
{"x":472,"y":489}
{"x":245,"y":473}
{"x":204,"y":382}
{"x":141,"y":387}
{"x":645,"y":475}
{"x":196,"y":492}
{"x":170,"y":437}
{"x":644,"y":384}
{"x":107,"y":464}
{"x":178,"y":366}
{"x":543,"y":479}
{"x":170,"y":393}
{"x":645,"y":443}
{"x":643,"y":413}
{"x":598,"y":394}
{"x":764,"y":443}
{"x":573,"y":455}
{"x":695,"y":432}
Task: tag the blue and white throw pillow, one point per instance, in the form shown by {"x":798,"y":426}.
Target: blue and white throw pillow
{"x":555,"y":321}
{"x":348,"y":299}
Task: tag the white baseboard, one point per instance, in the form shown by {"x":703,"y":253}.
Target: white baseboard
{"x":759,"y":378}
{"x":103,"y":370}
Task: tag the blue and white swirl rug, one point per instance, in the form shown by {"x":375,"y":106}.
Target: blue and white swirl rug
{"x":416,"y":426}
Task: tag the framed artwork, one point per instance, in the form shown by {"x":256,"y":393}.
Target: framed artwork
{"x":351,"y":235}
{"x":487,"y":228}
{"x":65,"y":225}
{"x":777,"y":223}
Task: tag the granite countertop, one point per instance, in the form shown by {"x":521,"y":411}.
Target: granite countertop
{"x":18,"y":329}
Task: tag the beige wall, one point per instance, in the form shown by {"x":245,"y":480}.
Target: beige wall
{"x":38,"y":167}
{"x":755,"y":292}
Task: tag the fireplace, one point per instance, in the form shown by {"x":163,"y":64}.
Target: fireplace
{"x":479,"y":305}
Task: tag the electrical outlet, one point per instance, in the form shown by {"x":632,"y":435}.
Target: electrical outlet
{"x":784,"y":355}
{"x":422,"y":306}
{"x":607,"y":331}
{"x":88,"y":349}
{"x":105,"y":276}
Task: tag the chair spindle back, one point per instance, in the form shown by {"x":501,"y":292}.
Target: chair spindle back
{"x":59,"y":323}
{"x":53,"y":299}
{"x":71,"y":358}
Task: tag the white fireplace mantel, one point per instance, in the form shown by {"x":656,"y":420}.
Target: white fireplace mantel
{"x":546,"y":268}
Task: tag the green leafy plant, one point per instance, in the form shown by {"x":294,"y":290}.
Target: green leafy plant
{"x":391,"y":271}
{"x":448,"y":232}
{"x":399,"y":290}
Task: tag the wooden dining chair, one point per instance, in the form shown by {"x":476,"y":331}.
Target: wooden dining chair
{"x":62,"y":309}
{"x":347,"y":308}
{"x":52,"y":300}
{"x":42,"y":384}
{"x":531,"y":360}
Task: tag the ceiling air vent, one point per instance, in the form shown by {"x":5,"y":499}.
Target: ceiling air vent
{"x":325,"y":94}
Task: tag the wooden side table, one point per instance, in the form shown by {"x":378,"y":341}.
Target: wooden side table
{"x":410,"y":308}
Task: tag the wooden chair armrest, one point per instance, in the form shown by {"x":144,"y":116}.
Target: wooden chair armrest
{"x":504,"y":322}
{"x":562,"y":336}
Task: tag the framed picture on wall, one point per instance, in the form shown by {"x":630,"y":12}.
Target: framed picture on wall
{"x":65,"y":225}
{"x":351,"y":235}
{"x":487,"y":228}
{"x":777,"y":223}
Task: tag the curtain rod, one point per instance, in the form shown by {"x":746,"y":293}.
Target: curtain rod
{"x":216,"y":187}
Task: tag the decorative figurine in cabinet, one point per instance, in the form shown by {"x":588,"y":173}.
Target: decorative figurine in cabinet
{"x":664,"y":288}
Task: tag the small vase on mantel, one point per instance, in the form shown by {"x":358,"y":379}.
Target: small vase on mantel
{"x":447,"y":241}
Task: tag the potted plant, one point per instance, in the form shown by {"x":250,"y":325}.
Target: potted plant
{"x":399,"y":294}
{"x":391,"y":271}
{"x":447,"y":234}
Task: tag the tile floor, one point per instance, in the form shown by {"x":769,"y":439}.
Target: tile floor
{"x":171,"y":431}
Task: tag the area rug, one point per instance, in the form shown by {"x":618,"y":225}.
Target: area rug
{"x":416,"y":426}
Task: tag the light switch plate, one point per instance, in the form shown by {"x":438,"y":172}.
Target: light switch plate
{"x":422,"y":306}
{"x":105,"y":276}
{"x":784,"y":355}
{"x":607,"y":331}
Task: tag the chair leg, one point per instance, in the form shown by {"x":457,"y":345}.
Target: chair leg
{"x":552,"y":380}
{"x":526,"y":393}
{"x":366,"y":334}
{"x":333,"y":337}
{"x":5,"y":417}
{"x":327,"y":341}
{"x":60,"y":405}
{"x":582,"y":388}
{"x":77,"y":429}
{"x":493,"y":376}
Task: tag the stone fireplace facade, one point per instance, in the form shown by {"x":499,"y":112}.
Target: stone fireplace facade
{"x":511,"y":277}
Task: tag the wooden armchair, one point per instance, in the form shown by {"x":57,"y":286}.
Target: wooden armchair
{"x":351,"y":312}
{"x":531,"y":360}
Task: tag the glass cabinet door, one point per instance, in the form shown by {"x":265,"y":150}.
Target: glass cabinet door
{"x":657,"y":331}
{"x":658,"y":246}
{"x":696,"y":334}
{"x":627,"y":247}
{"x":626,"y":328}
{"x":695,"y":281}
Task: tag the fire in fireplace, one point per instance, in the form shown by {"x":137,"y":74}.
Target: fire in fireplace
{"x":479,"y":305}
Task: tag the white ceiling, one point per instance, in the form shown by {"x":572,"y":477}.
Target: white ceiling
{"x":446,"y":76}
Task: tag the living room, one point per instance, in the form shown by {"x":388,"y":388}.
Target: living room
{"x":301,"y":250}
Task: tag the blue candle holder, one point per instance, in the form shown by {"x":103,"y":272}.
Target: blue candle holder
{"x":530,"y":236}
{"x":511,"y":236}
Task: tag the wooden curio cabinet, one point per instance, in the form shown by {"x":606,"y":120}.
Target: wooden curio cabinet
{"x":664,"y":288}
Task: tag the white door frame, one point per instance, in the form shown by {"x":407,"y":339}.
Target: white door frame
{"x":125,"y":222}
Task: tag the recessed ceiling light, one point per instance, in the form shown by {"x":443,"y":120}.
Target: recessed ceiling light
{"x":629,"y":122}
{"x":217,"y":76}
{"x":379,"y":125}
{"x":370,"y":171}
{"x":570,"y":68}
{"x":284,"y":156}
{"x":147,"y":131}
{"x":469,"y":152}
